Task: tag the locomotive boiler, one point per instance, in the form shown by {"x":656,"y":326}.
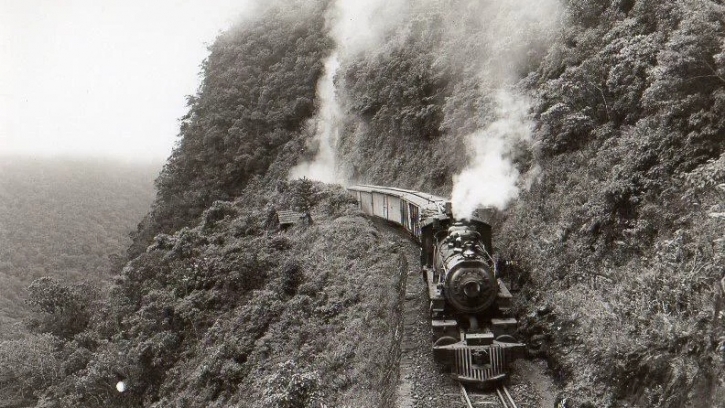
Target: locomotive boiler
{"x":472,"y":331}
{"x":461,"y":270}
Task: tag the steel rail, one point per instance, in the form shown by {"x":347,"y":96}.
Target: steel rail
{"x":502,"y":392}
{"x":500,"y":397}
{"x":465,"y":396}
{"x":511,"y":400}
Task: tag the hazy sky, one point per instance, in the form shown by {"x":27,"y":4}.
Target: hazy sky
{"x":102,"y":77}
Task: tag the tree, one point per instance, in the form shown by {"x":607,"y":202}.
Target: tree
{"x":28,"y":365}
{"x":62,"y":310}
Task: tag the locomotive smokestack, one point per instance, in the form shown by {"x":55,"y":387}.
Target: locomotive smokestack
{"x":449,"y":209}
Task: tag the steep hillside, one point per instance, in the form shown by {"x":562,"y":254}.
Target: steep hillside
{"x":619,"y":226}
{"x":616,"y":234}
{"x":623,"y":225}
{"x":248,"y":118}
{"x":622,"y":173}
{"x":232,"y":312}
{"x":64,"y":218}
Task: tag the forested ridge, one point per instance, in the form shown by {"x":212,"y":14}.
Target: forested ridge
{"x":616,"y":233}
{"x":258,"y":90}
{"x":64,"y":218}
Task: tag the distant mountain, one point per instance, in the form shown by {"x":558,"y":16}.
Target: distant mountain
{"x":64,"y":218}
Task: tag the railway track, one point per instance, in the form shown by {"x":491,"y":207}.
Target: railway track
{"x":502,"y":398}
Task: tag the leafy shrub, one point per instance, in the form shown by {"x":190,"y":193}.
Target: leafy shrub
{"x":28,"y":365}
{"x":63,"y":310}
{"x":291,"y":386}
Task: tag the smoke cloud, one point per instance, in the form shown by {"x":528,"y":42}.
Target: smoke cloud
{"x":326,"y":125}
{"x":515,"y":36}
{"x":360,"y":26}
{"x":490,"y":179}
{"x":356,"y":27}
{"x":505,"y":40}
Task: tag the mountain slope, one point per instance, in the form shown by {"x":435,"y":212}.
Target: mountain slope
{"x":616,"y":235}
{"x":251,"y":109}
{"x":233,"y":313}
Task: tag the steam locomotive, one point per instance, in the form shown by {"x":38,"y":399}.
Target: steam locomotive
{"x":472,"y":331}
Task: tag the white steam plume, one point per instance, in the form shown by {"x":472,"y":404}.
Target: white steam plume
{"x":356,"y":26}
{"x":359,"y":26}
{"x":326,"y":124}
{"x":490,"y":179}
{"x":516,"y":34}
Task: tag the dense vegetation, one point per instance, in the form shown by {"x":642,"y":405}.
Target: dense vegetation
{"x":617,"y":231}
{"x":223,"y":310}
{"x":621,"y":227}
{"x":227,"y":313}
{"x":258,"y":91}
{"x":633,"y":239}
{"x":64,"y":218}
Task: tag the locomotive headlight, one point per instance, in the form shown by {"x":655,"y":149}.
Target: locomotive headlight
{"x":472,"y":289}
